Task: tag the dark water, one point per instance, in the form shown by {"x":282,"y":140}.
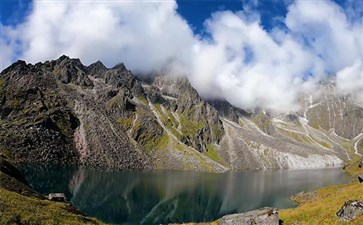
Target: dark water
{"x":162,"y":197}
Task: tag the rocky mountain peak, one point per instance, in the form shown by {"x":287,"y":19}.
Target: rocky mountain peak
{"x":225,"y":109}
{"x":19,"y":67}
{"x":96,"y":69}
{"x":120,"y":67}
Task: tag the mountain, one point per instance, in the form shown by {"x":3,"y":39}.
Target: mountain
{"x":62,"y":111}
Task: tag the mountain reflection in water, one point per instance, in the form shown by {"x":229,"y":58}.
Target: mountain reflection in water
{"x":129,"y":197}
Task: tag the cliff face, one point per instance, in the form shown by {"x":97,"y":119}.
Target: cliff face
{"x":197,"y":123}
{"x":61,"y":111}
{"x":57,"y":112}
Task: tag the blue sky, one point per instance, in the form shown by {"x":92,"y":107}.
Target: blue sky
{"x":13,"y":12}
{"x":254,"y":53}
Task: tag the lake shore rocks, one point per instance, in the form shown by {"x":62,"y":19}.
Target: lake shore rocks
{"x":57,"y":197}
{"x":264,"y":216}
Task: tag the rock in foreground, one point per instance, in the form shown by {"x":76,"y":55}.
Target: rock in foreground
{"x":57,"y":197}
{"x":350,"y":210}
{"x":265,"y":216}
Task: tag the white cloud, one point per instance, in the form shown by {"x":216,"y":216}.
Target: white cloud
{"x":248,"y":67}
{"x":325,"y":29}
{"x":319,"y":40}
{"x":240,"y":61}
{"x":143,"y":35}
{"x":350,"y":81}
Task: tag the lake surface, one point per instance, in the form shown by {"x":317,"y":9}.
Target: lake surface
{"x":128,"y":197}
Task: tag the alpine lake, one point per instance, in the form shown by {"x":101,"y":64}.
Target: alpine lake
{"x":162,"y":197}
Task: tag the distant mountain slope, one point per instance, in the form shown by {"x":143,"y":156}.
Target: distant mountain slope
{"x":61,"y":111}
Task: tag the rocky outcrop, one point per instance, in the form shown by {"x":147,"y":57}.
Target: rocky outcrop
{"x":57,"y":197}
{"x":360,"y":178}
{"x":226,"y":110}
{"x":350,"y":210}
{"x":69,"y":71}
{"x":37,"y":123}
{"x":58,"y":112}
{"x":200,"y":124}
{"x":265,"y":216}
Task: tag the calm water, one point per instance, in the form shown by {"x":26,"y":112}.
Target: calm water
{"x":162,"y":197}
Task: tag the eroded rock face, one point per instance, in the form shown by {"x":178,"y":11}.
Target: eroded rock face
{"x":37,"y":122}
{"x":332,"y":111}
{"x":265,"y":216}
{"x":200,"y":123}
{"x":350,"y":210}
{"x":63,"y":112}
{"x":225,"y":109}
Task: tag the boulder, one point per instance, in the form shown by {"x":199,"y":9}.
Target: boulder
{"x":57,"y":197}
{"x":360,"y":178}
{"x":360,"y":164}
{"x":264,"y":216}
{"x":350,"y":210}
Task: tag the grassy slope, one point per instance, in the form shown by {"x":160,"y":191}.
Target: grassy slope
{"x":19,"y":209}
{"x":28,"y":209}
{"x":323,"y":208}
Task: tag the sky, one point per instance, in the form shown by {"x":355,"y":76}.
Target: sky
{"x":253,"y":53}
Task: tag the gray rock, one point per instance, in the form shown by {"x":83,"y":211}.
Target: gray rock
{"x":350,"y":210}
{"x":360,"y":178}
{"x":57,"y":197}
{"x":264,"y":216}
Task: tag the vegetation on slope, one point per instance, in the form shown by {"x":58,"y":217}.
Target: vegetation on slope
{"x":20,"y":205}
{"x":18,"y":209}
{"x":322,"y":207}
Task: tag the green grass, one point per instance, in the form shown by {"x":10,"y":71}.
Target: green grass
{"x":2,"y":84}
{"x":163,"y":143}
{"x":322,"y":209}
{"x":19,"y":209}
{"x":189,"y":127}
{"x":169,"y":121}
{"x":262,"y":121}
{"x":173,"y":119}
{"x":241,"y":123}
{"x":125,"y":123}
{"x":143,"y":100}
{"x":213,"y":154}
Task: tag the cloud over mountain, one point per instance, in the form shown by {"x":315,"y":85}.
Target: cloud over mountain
{"x":239,"y":60}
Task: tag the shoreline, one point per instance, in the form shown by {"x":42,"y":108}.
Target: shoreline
{"x":308,"y":204}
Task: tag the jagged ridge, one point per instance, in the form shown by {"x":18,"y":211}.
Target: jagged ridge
{"x":61,"y":111}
